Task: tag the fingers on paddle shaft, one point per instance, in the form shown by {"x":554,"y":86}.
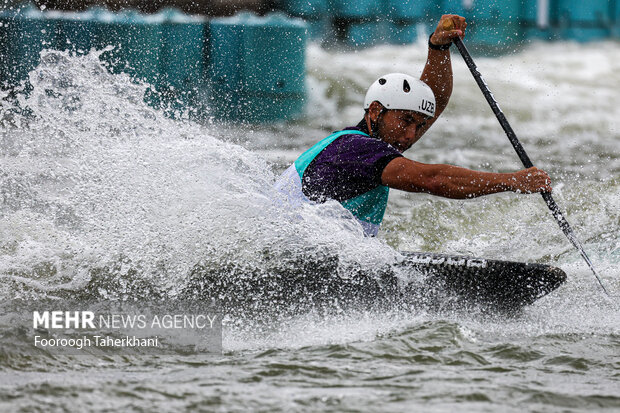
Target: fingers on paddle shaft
{"x":533,"y":180}
{"x":449,"y":28}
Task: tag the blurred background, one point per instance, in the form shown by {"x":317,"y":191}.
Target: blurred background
{"x":206,"y":7}
{"x":245,"y":60}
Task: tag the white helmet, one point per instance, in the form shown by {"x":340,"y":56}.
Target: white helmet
{"x":401,"y":91}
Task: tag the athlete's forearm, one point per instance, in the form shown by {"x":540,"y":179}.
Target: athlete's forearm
{"x":460,"y":183}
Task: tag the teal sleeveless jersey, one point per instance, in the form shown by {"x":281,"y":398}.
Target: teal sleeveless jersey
{"x":368,"y":207}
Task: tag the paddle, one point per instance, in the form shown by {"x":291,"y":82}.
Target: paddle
{"x":555,"y":209}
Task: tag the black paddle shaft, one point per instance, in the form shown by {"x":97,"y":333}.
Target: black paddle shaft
{"x":555,"y":209}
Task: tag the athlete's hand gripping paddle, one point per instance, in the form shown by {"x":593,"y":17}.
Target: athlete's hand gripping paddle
{"x":555,"y":210}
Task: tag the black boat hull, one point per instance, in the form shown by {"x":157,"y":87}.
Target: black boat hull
{"x":491,"y":283}
{"x":434,"y":280}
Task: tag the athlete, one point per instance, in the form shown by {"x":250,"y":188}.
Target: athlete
{"x":358,"y":165}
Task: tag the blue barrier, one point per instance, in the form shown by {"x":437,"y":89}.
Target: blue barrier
{"x":407,"y":9}
{"x":357,"y":23}
{"x":315,"y":12}
{"x":536,"y":18}
{"x":183,"y":49}
{"x":407,"y":19}
{"x":309,"y":9}
{"x":136,"y":39}
{"x":319,"y":29}
{"x":76,"y":32}
{"x":355,"y":34}
{"x":364,"y":34}
{"x":182,"y":76}
{"x":584,"y":12}
{"x":492,"y":25}
{"x":461,"y":7}
{"x":616,"y":18}
{"x":24,"y":34}
{"x":251,"y":68}
{"x":404,"y":32}
{"x":274,"y":55}
{"x":584,"y":21}
{"x":359,"y":9}
{"x":256,"y":67}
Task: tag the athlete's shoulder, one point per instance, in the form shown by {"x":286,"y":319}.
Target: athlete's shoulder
{"x":353,"y":131}
{"x":353,"y":136}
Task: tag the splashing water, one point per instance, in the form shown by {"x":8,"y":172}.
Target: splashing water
{"x":95,"y":178}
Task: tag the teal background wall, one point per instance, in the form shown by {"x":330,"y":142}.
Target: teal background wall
{"x":251,"y":68}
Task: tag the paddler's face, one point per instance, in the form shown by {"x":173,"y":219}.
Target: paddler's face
{"x":400,"y":128}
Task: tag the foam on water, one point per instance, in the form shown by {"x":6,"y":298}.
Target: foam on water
{"x":92,"y":177}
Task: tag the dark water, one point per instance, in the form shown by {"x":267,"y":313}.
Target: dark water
{"x":91,"y":178}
